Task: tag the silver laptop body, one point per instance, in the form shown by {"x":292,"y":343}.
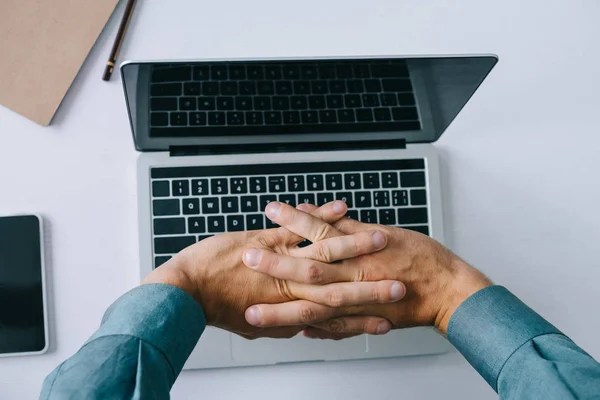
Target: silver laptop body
{"x":227,"y":133}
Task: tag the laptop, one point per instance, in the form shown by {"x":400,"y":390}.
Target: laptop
{"x":220,"y":139}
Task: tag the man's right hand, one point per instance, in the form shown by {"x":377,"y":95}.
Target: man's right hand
{"x":437,"y":281}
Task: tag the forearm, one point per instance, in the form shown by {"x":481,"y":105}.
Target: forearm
{"x":139,"y":350}
{"x":517,"y":352}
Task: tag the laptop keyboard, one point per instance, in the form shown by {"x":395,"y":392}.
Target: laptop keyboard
{"x":238,"y":98}
{"x":190,"y":204}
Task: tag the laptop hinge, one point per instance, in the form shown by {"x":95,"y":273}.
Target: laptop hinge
{"x":253,"y":148}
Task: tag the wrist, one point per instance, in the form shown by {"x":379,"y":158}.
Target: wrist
{"x":465,"y":282}
{"x":175,"y":273}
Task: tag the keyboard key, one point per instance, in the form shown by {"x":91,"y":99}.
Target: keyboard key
{"x":199,"y":187}
{"x":396,"y":85}
{"x":172,"y":74}
{"x":352,"y":101}
{"x":196,"y":225}
{"x":337,"y":86}
{"x":249,"y":203}
{"x":169,"y":226}
{"x":270,"y":224}
{"x":368,"y":216}
{"x":344,"y":71}
{"x":302,"y":87}
{"x":180,"y":187}
{"x":225,"y":103}
{"x":243,"y":103}
{"x":235,"y":223}
{"x":314,"y":182}
{"x":361,"y":71}
{"x":371,"y":180}
{"x":190,"y":206}
{"x":198,"y":118}
{"x":389,"y":179}
{"x":187,"y":103}
{"x":276,"y":184}
{"x":299,"y":103}
{"x":218,"y":186}
{"x":372,"y":86}
{"x":201,"y":73}
{"x":178,"y":119}
{"x":388,"y":99}
{"x":273,"y":72}
{"x":406,"y":99}
{"x":289,"y":199}
{"x":202,"y":237}
{"x":216,"y":118}
{"x":389,"y":70}
{"x":254,"y":118}
{"x":235,"y":118}
{"x":352,"y":181}
{"x":258,"y":185}
{"x":281,"y":103}
{"x":404,"y":113}
{"x":255,"y":72}
{"x":381,"y":198}
{"x":262,"y":103}
{"x":309,"y":117}
{"x":163,"y":104}
{"x":265,"y":88}
{"x":216,"y":224}
{"x":165,"y":207}
{"x":362,"y":199}
{"x":418,"y":197}
{"x":218,"y":72}
{"x":352,"y":214}
{"x":158,"y":261}
{"x":399,"y":198}
{"x":382,"y":114}
{"x":229,"y":88}
{"x":370,"y":100}
{"x":161,"y":189}
{"x":316,"y":102}
{"x":333,"y":181}
{"x":324,"y":198}
{"x":239,"y":185}
{"x":326,"y":71}
{"x":387,"y":216}
{"x":327,"y":116}
{"x":355,"y":86}
{"x":346,"y":197}
{"x":265,"y":200}
{"x":296,"y":183}
{"x":254,"y":222}
{"x":364,"y":115}
{"x":412,"y":179}
{"x":291,"y":72}
{"x":166,"y":89}
{"x":307,"y":198}
{"x":206,"y":103}
{"x":346,"y":115}
{"x":210,"y":88}
{"x":172,"y":244}
{"x":335,"y":101}
{"x":291,"y":117}
{"x":210,"y":205}
{"x":159,"y":119}
{"x":284,"y":87}
{"x":273,"y":118}
{"x":424,"y":229}
{"x":237,"y":72}
{"x":416,"y":215}
{"x":319,"y":87}
{"x":230,"y":205}
{"x":247,"y":88}
{"x":309,"y":72}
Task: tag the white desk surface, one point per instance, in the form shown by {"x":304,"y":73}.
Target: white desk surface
{"x":520,"y":173}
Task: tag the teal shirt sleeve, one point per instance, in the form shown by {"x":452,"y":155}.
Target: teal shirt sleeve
{"x":520,"y":354}
{"x":137,"y":353}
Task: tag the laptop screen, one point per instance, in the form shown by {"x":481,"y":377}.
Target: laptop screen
{"x":294,"y":101}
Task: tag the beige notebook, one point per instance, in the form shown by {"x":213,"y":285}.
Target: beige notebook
{"x":43,"y":43}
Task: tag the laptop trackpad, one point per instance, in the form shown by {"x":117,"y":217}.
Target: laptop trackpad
{"x":298,"y":348}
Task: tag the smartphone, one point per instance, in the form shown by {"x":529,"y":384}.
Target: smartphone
{"x":23,"y":316}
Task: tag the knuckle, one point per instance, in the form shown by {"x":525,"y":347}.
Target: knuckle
{"x":307,"y":314}
{"x":375,"y":294}
{"x":323,"y":232}
{"x":314,"y":274}
{"x":323,"y":253}
{"x":362,"y":275}
{"x":335,"y":325}
{"x":335,"y":298}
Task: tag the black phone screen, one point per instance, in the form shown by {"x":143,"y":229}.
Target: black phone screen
{"x":22,"y":327}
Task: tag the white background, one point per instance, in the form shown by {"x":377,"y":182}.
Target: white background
{"x":520,"y":172}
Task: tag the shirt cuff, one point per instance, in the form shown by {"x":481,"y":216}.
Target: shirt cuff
{"x":490,"y":326}
{"x":162,"y":315}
